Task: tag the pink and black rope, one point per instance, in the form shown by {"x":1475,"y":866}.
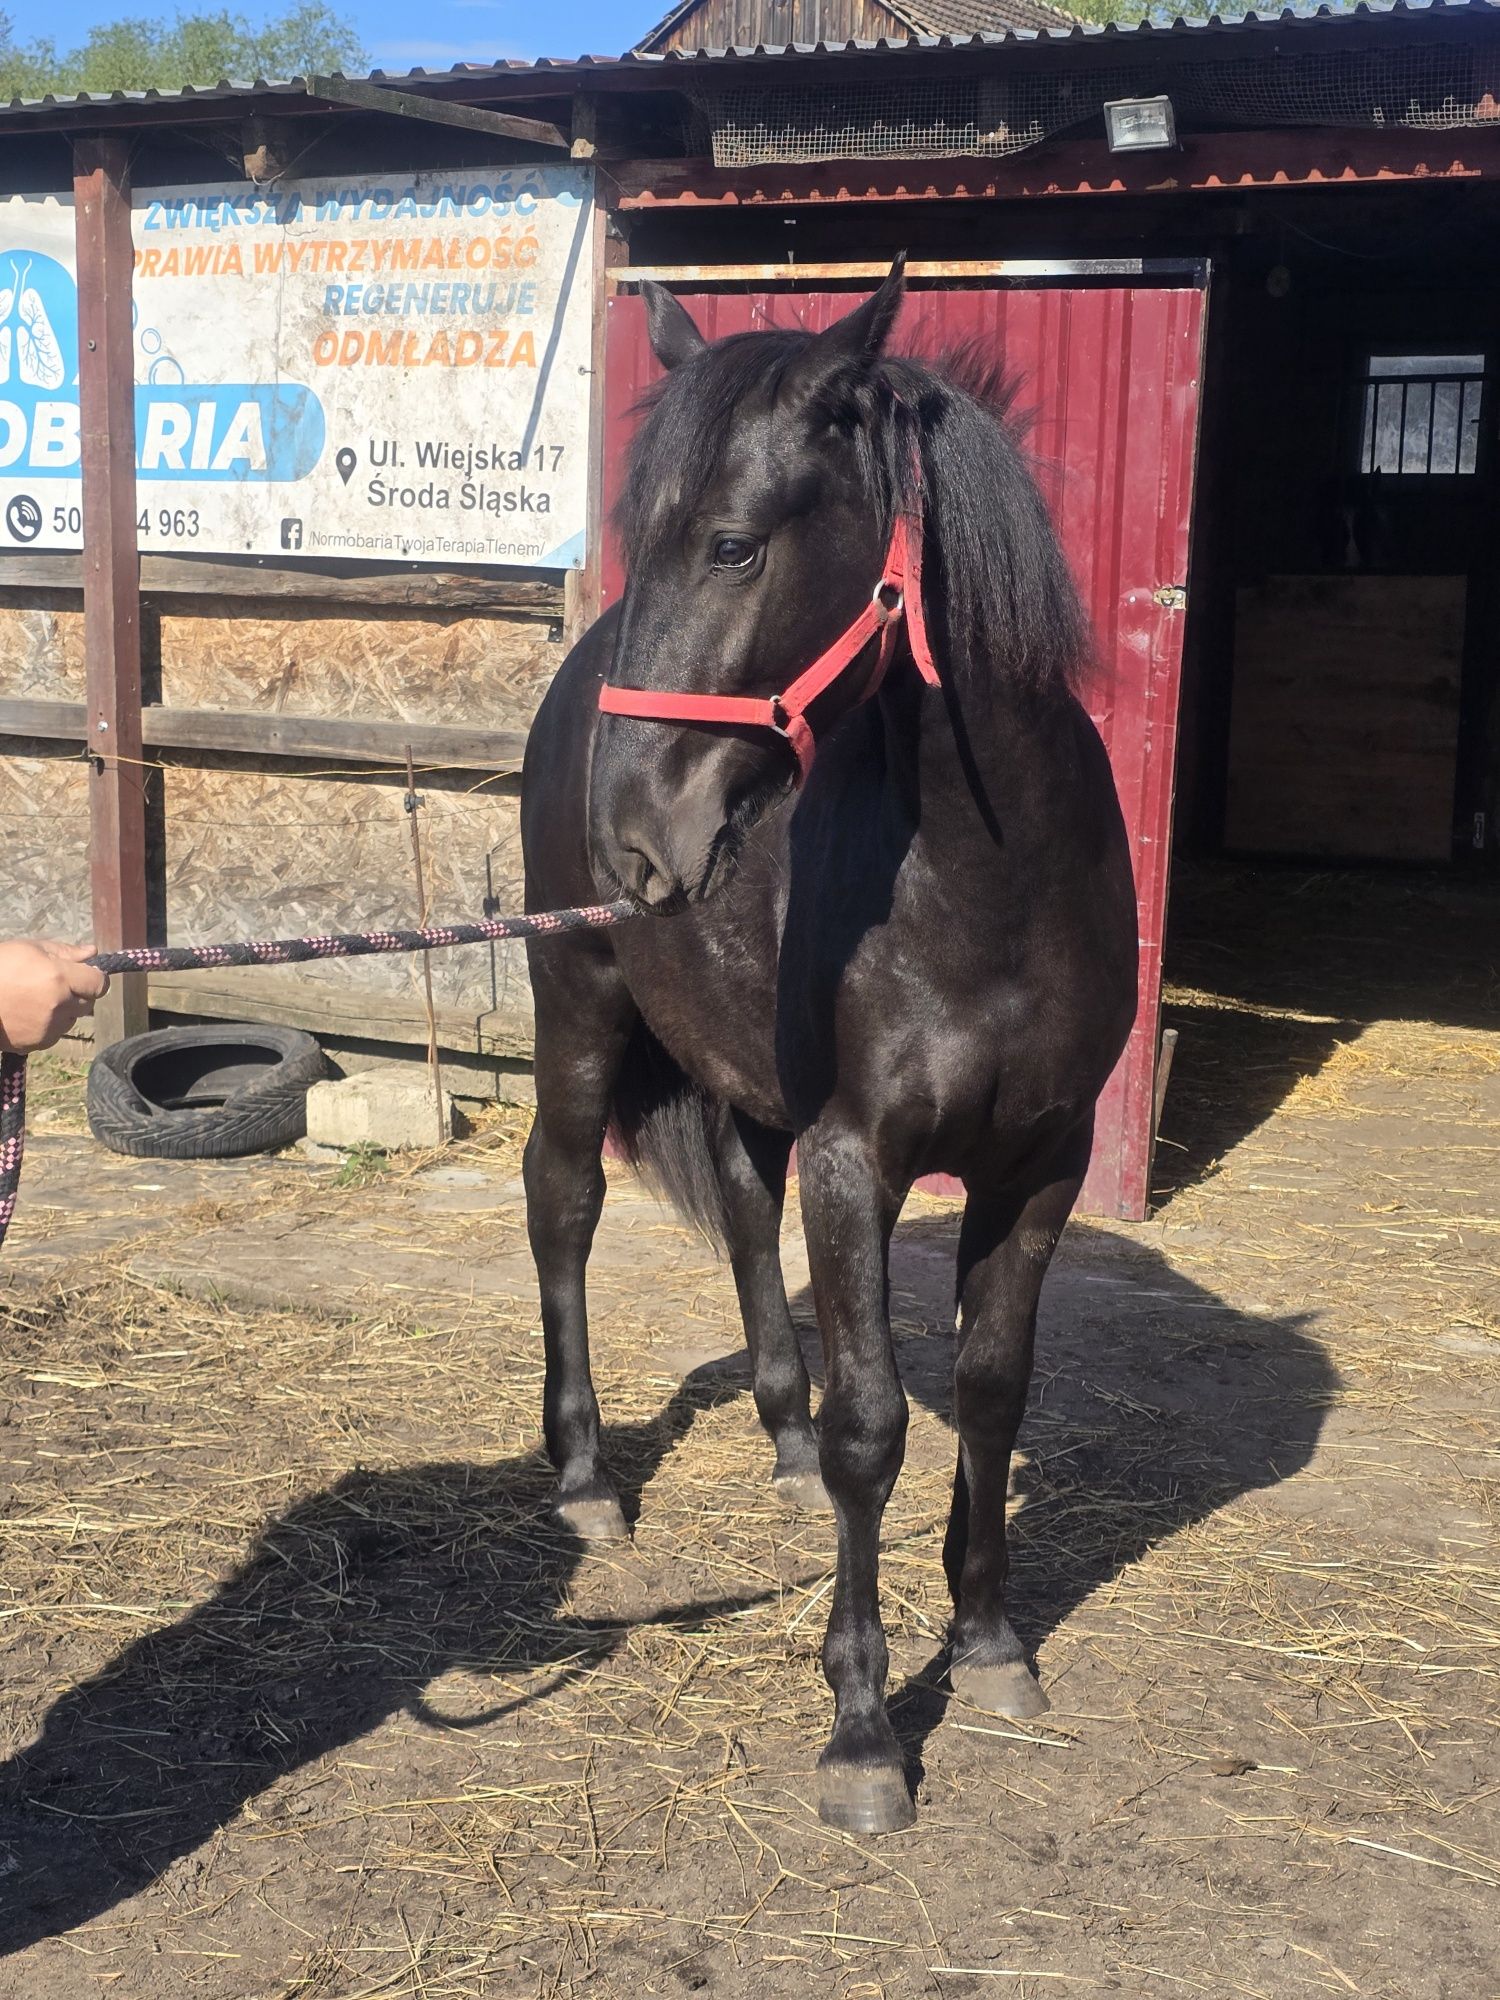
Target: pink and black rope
{"x":359,"y":944}
{"x":12,"y":1134}
{"x":278,"y":951}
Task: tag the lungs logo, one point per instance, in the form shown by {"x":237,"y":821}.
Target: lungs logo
{"x":247,"y":432}
{"x":38,"y":322}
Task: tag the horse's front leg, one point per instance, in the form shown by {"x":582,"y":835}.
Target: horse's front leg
{"x":584,"y":1017}
{"x":1005,"y":1246}
{"x":752,"y":1163}
{"x":848,"y":1213}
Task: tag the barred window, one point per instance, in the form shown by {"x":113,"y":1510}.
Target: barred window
{"x":1421,"y":413}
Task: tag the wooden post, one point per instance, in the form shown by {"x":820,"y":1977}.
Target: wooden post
{"x":581,"y":587}
{"x":111,"y":569}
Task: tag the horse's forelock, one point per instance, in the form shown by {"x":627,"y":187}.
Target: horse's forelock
{"x":687,"y":420}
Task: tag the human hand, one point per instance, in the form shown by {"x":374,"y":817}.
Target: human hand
{"x":44,"y":988}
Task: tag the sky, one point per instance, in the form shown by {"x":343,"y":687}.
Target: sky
{"x":396,"y":34}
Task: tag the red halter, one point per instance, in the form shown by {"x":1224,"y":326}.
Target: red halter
{"x":898,"y":593}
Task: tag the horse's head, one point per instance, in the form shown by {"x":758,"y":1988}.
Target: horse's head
{"x":756,"y":516}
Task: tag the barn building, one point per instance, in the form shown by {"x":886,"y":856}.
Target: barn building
{"x":1243,"y":269}
{"x":720,"y":24}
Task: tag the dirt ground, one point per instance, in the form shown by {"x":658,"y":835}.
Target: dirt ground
{"x":301,"y":1697}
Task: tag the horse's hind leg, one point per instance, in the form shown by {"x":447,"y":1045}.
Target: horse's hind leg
{"x":752,"y":1162}
{"x":584,"y":1017}
{"x":1005,"y":1246}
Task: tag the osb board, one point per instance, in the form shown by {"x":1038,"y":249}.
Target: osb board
{"x":1345,"y":716}
{"x":44,"y":836}
{"x":253,"y":855}
{"x":41,"y":651}
{"x":305,"y":660}
{"x":383,"y":666}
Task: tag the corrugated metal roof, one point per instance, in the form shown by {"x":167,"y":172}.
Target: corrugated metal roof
{"x":567,"y":71}
{"x":984,"y":17}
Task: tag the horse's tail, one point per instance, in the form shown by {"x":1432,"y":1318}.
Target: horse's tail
{"x":665,"y":1125}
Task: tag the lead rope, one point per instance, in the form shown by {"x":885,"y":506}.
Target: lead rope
{"x":278,"y":951}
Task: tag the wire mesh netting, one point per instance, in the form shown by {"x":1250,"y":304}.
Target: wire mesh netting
{"x":1425,"y":89}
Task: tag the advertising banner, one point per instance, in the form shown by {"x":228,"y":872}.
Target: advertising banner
{"x":395,"y":367}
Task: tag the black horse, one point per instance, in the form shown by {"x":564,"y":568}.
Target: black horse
{"x":922,"y":959}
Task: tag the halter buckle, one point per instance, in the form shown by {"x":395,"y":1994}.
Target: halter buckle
{"x":889,"y":600}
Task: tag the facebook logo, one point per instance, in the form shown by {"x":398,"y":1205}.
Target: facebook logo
{"x":291,"y":533}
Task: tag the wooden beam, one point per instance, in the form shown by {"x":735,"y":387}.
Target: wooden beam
{"x":1014,"y":268}
{"x":111,"y":597}
{"x":396,"y":589}
{"x":1203,"y":163}
{"x":585,"y":140}
{"x":436,"y":111}
{"x":608,"y":252}
{"x":297,"y":738}
{"x":73,"y":117}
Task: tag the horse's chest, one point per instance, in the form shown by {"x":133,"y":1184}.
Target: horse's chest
{"x":917,"y":1031}
{"x":933,"y":1058}
{"x":949,"y":1054}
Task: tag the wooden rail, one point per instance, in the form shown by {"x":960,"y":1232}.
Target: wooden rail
{"x":283,"y":996}
{"x":365,"y":588}
{"x":294,"y":738}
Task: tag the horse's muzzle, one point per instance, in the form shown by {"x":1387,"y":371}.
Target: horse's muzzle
{"x":653,"y":879}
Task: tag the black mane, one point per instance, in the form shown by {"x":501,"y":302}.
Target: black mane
{"x":999,"y":591}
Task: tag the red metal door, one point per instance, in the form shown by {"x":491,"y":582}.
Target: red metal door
{"x":1110,"y":379}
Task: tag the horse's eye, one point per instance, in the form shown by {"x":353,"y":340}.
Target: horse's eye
{"x":734,"y":552}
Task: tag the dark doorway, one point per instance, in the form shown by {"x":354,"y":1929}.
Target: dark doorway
{"x":1351,"y":677}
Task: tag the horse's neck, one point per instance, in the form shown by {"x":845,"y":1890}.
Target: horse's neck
{"x":973,"y":766}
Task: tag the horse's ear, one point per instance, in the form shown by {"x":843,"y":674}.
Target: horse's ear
{"x":853,"y":340}
{"x":862,"y":333}
{"x":674,"y":338}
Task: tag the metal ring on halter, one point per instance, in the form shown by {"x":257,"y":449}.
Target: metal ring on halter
{"x":780,"y":720}
{"x":881,"y":597}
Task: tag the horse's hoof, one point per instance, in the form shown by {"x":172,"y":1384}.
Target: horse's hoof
{"x":865,"y":1799}
{"x":802,"y":1492}
{"x":592,"y":1520}
{"x":1011,"y":1690}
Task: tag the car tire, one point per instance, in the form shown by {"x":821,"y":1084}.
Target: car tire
{"x":203,"y":1093}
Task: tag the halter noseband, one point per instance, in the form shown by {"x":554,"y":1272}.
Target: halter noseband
{"x":898,"y":594}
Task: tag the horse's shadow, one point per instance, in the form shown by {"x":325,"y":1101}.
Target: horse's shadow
{"x":1154,"y":1404}
{"x":350,"y":1606}
{"x":359,"y":1597}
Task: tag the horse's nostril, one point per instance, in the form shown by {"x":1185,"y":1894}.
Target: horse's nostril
{"x":641,"y":873}
{"x":635,"y":870}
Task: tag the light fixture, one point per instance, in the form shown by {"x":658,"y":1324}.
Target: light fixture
{"x":1140,"y":124}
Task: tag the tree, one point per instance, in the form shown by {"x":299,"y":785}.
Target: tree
{"x":139,"y":53}
{"x":1161,"y":13}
